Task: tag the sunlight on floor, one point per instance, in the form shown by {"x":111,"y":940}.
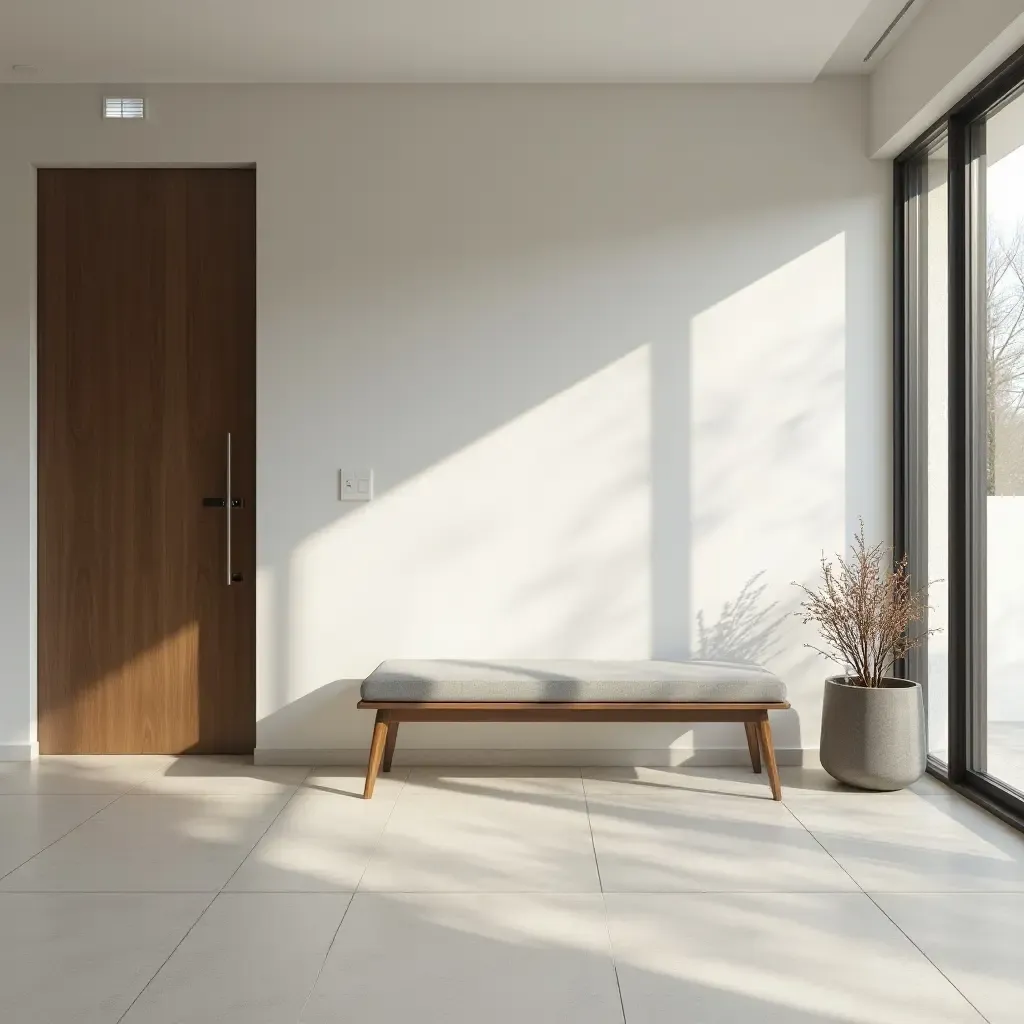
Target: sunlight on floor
{"x":156,"y":890}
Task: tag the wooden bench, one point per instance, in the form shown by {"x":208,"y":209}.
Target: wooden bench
{"x":407,"y":691}
{"x":571,"y":691}
{"x":390,"y":714}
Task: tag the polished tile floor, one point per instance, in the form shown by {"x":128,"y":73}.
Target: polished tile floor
{"x":161,"y":891}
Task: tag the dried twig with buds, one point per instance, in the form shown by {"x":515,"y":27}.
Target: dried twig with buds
{"x":864,"y":611}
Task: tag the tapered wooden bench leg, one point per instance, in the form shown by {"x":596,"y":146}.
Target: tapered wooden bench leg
{"x":764,"y":732}
{"x":750,"y":728}
{"x":389,"y":745}
{"x":377,"y":744}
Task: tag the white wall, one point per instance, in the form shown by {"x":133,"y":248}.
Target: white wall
{"x":950,"y":47}
{"x":613,"y":354}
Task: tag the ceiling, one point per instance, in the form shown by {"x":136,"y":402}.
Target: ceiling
{"x":139,"y":41}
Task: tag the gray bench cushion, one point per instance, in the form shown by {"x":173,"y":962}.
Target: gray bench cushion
{"x":597,"y":681}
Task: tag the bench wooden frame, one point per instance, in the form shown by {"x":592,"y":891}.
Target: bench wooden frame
{"x":390,"y":714}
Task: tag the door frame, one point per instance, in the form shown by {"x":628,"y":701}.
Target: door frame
{"x":32,"y":751}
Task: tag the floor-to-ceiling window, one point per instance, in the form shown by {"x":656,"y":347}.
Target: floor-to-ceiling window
{"x":959,"y":484}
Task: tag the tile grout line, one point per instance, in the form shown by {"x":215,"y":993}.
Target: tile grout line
{"x":351,"y":900}
{"x":323,"y":963}
{"x":615,"y":964}
{"x":177,"y":946}
{"x":941,"y":972}
{"x":604,"y":902}
{"x":131,"y":790}
{"x":380,"y":835}
{"x":590,"y":827}
{"x":827,"y":852}
{"x":213,"y":900}
{"x":109,"y":803}
{"x":270,"y":825}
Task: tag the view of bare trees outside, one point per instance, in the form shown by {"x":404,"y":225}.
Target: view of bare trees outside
{"x":1005,"y":326}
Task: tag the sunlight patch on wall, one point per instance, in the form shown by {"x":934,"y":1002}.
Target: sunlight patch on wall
{"x":768,"y":483}
{"x":530,"y":542}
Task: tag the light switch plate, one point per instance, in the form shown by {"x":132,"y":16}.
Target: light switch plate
{"x":355,"y":484}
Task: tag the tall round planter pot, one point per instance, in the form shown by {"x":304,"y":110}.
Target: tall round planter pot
{"x":874,"y":737}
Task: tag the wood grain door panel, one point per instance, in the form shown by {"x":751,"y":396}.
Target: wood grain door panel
{"x":146,"y":362}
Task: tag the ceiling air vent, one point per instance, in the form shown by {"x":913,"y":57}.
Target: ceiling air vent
{"x":121,"y":106}
{"x":885,"y":35}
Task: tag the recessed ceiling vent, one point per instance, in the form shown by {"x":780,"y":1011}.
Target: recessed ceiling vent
{"x":885,"y":35}
{"x":122,"y":106}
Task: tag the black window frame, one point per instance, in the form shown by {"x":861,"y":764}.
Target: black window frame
{"x":962,"y":128}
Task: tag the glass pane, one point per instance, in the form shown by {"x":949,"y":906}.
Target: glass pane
{"x":1002,"y":190}
{"x":926,"y":286}
{"x":936,"y":321}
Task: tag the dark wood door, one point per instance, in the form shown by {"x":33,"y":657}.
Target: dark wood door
{"x":147,"y":362}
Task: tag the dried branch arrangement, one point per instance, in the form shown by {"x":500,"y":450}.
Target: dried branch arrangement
{"x":864,"y":611}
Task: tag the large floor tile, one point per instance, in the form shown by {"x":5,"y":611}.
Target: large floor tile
{"x":251,"y":959}
{"x":478,"y":833}
{"x":79,"y":774}
{"x":672,"y":840}
{"x":28,"y":824}
{"x":323,"y":839}
{"x":151,"y":844}
{"x":73,"y":958}
{"x":220,"y":776}
{"x":467,"y":959}
{"x":775,"y":959}
{"x":975,"y":939}
{"x":901,"y":843}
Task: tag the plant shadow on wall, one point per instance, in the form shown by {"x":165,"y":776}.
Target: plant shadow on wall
{"x":747,"y":630}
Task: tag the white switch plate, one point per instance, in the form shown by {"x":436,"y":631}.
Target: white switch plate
{"x":355,"y":484}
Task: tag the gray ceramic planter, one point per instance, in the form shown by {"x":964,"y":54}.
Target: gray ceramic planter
{"x":873,"y":737}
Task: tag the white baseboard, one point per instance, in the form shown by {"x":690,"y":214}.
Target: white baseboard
{"x":530,"y":758}
{"x":19,"y":751}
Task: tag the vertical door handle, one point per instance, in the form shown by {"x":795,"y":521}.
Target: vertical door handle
{"x":227,"y":509}
{"x":229,"y":504}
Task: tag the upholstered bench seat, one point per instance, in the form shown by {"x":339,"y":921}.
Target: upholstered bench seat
{"x":684,"y":682}
{"x":572,"y":690}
